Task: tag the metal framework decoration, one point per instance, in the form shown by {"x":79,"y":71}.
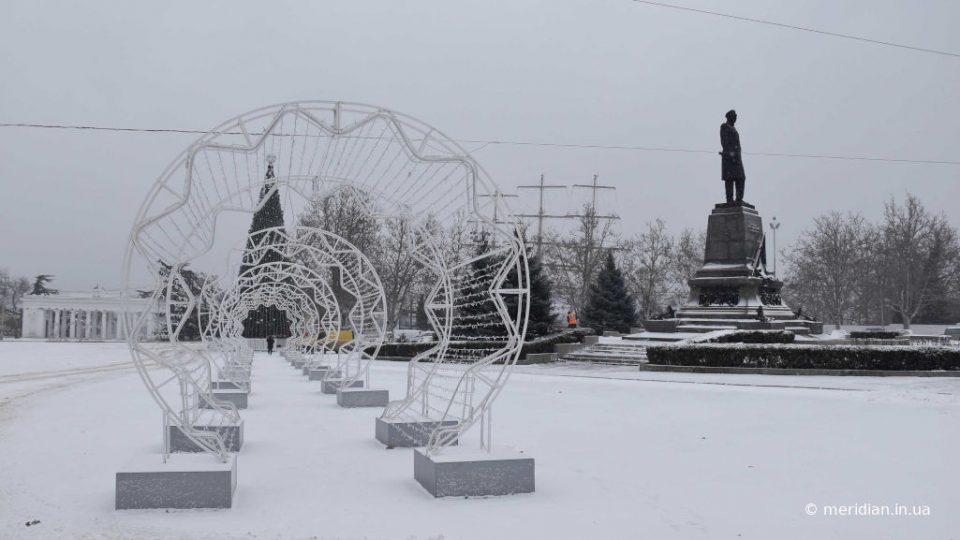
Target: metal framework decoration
{"x":408,"y":172}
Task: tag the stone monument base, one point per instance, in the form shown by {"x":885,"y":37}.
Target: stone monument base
{"x":331,"y":385}
{"x":237,"y":397}
{"x":728,"y":291}
{"x":406,"y":434}
{"x":362,"y":397}
{"x":462,"y":472}
{"x":184,"y":481}
{"x":232,"y":435}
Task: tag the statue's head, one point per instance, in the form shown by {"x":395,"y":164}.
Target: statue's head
{"x":732,"y":116}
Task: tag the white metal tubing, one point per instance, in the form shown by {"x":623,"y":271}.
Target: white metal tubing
{"x":406,"y":168}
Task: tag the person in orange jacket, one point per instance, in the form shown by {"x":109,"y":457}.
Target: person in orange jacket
{"x":571,"y":319}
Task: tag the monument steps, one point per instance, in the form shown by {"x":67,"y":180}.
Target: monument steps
{"x":656,"y":338}
{"x":611,"y":353}
{"x":799,"y":330}
{"x":704,"y":328}
{"x":733,"y":313}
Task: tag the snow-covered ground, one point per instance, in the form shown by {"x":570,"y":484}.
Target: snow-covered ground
{"x":620,"y":455}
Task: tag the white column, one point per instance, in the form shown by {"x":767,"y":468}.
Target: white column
{"x":151,"y":326}
{"x":56,"y":324}
{"x":40,"y":326}
{"x":121,"y":332}
{"x":103,"y":325}
{"x":73,"y":324}
{"x":31,"y":324}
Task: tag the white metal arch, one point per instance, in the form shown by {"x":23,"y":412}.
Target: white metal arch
{"x":479,"y":304}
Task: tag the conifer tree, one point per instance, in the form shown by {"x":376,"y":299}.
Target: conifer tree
{"x":542,"y":317}
{"x":609,"y":305}
{"x":178,"y":299}
{"x":423,"y":322}
{"x":40,"y":285}
{"x":477,"y":311}
{"x":265,"y":321}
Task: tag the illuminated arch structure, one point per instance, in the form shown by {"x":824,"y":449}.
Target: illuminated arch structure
{"x":477,"y":306}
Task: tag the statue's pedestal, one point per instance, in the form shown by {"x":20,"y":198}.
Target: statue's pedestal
{"x":733,"y":283}
{"x":462,"y":472}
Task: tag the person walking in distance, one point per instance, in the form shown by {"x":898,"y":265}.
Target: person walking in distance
{"x":571,"y":319}
{"x":270,"y":342}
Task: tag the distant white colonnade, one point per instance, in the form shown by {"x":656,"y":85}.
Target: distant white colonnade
{"x":82,"y":315}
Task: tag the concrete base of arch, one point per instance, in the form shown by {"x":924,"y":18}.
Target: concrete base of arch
{"x":318,"y":373}
{"x":232,"y":435}
{"x":470,"y":472}
{"x":408,"y":434}
{"x":236,"y":396}
{"x":362,"y":397}
{"x":332,"y":385}
{"x":184,"y":481}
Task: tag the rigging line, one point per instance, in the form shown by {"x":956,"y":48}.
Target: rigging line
{"x":701,"y":151}
{"x":522,"y":143}
{"x":800,"y":28}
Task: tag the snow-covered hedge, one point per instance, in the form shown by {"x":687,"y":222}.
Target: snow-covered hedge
{"x":755,"y":336}
{"x":895,"y":358}
{"x":874,"y":334}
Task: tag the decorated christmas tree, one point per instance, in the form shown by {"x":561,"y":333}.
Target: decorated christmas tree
{"x":266,"y":320}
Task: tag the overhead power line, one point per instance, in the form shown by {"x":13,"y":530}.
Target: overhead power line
{"x":486,"y":143}
{"x":800,"y":28}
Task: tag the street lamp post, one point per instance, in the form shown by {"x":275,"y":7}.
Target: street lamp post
{"x":774,"y":225}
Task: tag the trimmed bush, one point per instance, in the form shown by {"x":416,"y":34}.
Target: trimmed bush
{"x":755,"y":336}
{"x":873,"y":334}
{"x":892,"y":358}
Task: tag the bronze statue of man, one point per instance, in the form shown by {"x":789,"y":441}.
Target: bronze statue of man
{"x":731,"y":169}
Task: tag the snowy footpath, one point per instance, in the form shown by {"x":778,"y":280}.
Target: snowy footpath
{"x":620,"y":455}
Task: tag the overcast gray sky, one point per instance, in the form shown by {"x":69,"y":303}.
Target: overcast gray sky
{"x":594,"y":72}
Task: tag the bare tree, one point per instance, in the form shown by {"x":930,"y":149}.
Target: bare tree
{"x":920,"y":254}
{"x":457,"y":239}
{"x":12,"y":290}
{"x":871,"y":303}
{"x":688,"y":254}
{"x":399,"y":272}
{"x":350,"y":214}
{"x":826,"y":265}
{"x":573,"y":260}
{"x":647,"y":262}
{"x":4,"y":299}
